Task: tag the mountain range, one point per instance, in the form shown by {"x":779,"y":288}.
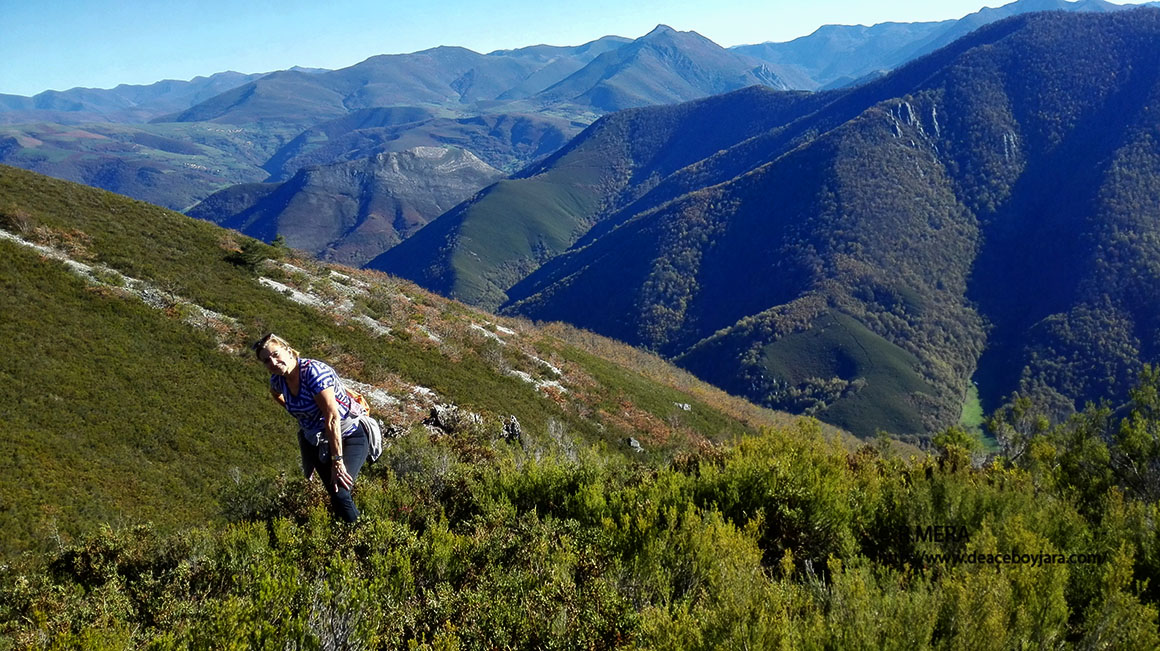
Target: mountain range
{"x":125,"y":103}
{"x":832,"y":56}
{"x":987,"y":212}
{"x":609,"y":74}
{"x":840,"y":55}
{"x":287,"y":119}
{"x":509,"y":108}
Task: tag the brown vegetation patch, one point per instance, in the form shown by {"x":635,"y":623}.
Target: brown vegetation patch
{"x":628,"y":416}
{"x":74,"y":243}
{"x":16,"y":220}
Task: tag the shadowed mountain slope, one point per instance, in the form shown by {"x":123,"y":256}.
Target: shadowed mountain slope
{"x":351,"y":212}
{"x":989,"y":208}
{"x":484,"y":246}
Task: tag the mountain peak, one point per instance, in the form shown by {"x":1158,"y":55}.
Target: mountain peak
{"x":665,"y":34}
{"x":1038,"y":5}
{"x":661,"y":30}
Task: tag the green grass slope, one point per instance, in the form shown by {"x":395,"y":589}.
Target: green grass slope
{"x":116,"y":413}
{"x":489,"y":243}
{"x":828,"y":365}
{"x":126,"y":411}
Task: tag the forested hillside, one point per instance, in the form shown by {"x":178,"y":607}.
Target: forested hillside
{"x":985,"y":213}
{"x":475,"y":252}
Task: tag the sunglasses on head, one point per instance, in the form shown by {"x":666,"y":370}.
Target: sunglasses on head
{"x":268,"y":339}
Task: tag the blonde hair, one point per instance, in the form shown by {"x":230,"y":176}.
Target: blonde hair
{"x":272,"y":339}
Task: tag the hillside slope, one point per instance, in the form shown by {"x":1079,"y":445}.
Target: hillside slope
{"x":130,"y":324}
{"x":505,"y":141}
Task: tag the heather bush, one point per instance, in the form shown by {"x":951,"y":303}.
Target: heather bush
{"x":781,"y":540}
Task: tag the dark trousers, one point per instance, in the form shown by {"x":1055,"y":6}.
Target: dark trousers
{"x":354,"y":455}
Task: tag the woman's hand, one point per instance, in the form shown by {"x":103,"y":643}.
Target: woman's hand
{"x":329,"y":406}
{"x":341,"y":477}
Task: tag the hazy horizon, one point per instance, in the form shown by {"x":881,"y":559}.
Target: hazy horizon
{"x":105,"y":43}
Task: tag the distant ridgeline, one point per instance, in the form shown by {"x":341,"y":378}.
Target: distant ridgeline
{"x":176,"y":143}
{"x":987,"y":213}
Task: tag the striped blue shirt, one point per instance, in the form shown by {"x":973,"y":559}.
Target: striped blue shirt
{"x":313,"y":378}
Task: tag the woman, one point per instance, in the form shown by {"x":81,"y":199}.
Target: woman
{"x":332,"y":441}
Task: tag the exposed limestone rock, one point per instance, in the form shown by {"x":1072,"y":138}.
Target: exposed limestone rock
{"x":450,"y":418}
{"x":512,"y":431}
{"x":159,"y":298}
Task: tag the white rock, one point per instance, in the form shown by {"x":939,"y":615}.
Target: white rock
{"x":487,"y":333}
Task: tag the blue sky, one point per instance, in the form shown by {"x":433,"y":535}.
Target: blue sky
{"x":61,"y":44}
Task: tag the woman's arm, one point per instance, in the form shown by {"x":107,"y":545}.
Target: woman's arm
{"x":278,"y":397}
{"x":329,"y":406}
